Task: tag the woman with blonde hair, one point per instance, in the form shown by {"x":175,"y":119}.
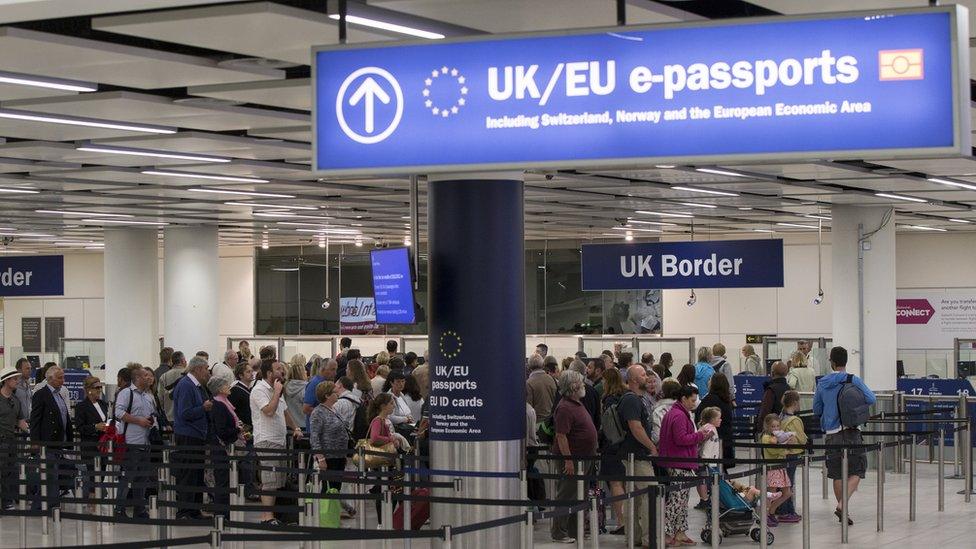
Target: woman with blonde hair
{"x":357,"y":373}
{"x":801,"y":377}
{"x":751,"y":362}
{"x":294,"y":392}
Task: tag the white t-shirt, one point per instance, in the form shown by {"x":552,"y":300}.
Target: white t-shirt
{"x":273,"y":428}
{"x":711,"y":447}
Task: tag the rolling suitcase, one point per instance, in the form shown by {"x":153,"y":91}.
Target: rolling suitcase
{"x":419,"y":512}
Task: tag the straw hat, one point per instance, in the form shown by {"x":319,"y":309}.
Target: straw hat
{"x":8,"y":373}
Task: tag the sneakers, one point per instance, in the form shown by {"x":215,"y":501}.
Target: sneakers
{"x":771,"y":521}
{"x":566,"y":540}
{"x":789,"y":518}
{"x":840,"y":517}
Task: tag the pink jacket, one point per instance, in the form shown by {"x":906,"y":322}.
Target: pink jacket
{"x":679,"y":438}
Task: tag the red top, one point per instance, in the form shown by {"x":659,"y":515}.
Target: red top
{"x":679,"y":438}
{"x":379,"y":432}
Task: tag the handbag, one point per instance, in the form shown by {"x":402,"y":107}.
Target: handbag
{"x":113,"y":439}
{"x":374,"y":461}
{"x":330,"y":511}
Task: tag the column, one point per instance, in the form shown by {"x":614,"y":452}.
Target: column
{"x":864,"y":292}
{"x":477,"y":342}
{"x":190,"y":278}
{"x":131,"y":299}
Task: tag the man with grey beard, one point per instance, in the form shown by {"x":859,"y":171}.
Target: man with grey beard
{"x":575,"y":436}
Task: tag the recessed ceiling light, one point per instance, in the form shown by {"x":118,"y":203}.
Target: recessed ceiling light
{"x":951,"y":183}
{"x":244,"y":193}
{"x":664,"y":214}
{"x":79,"y":121}
{"x":208,"y":176}
{"x":636,"y":229}
{"x":697,"y":205}
{"x":121,"y":222}
{"x":661,"y":223}
{"x":706,"y":191}
{"x":745,"y":208}
{"x":359,"y":243}
{"x":14,"y":190}
{"x":664,"y":166}
{"x":410,"y":31}
{"x":901,"y":197}
{"x":628,"y":237}
{"x":146,"y":152}
{"x":924,"y":228}
{"x":719,"y":172}
{"x":956,"y":220}
{"x":797,"y":225}
{"x":44,"y":82}
{"x":83,"y":214}
{"x":282,"y":206}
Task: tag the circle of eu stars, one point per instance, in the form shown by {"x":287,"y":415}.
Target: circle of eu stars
{"x":450,"y":344}
{"x":445,"y":75}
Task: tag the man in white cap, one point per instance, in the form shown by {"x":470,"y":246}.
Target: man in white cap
{"x":12,"y":417}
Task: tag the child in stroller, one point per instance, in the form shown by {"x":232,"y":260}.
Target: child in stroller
{"x":737,"y":513}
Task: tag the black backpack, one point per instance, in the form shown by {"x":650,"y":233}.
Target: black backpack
{"x":360,"y":421}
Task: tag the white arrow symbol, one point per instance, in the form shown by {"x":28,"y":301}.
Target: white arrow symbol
{"x":370,"y":91}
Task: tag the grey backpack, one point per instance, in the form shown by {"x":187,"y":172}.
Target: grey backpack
{"x":852,"y":407}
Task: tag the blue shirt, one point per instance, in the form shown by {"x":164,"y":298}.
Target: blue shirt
{"x":825,"y":399}
{"x":142,"y":405}
{"x":703,"y":374}
{"x":61,"y":406}
{"x":310,"y":399}
{"x":190,"y":419}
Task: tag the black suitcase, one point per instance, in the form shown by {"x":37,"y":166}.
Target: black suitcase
{"x":287,"y":517}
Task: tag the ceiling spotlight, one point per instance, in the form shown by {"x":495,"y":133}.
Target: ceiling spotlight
{"x":664,"y":166}
{"x":264,"y":245}
{"x":628,"y":236}
{"x":819,"y":299}
{"x":692,"y":299}
{"x":359,"y":243}
{"x":406,"y":241}
{"x":321,"y":242}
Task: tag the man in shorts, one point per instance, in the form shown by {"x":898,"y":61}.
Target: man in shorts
{"x":270,"y":429}
{"x":825,"y":406}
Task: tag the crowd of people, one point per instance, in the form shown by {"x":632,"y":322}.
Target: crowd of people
{"x":613,"y":407}
{"x":610,"y":406}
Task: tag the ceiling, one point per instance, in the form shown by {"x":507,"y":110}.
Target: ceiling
{"x":221,"y":89}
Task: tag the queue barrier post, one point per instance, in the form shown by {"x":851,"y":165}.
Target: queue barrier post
{"x":214,"y":539}
{"x":845,"y":494}
{"x":527,"y":539}
{"x":524,"y":527}
{"x":361,"y":490}
{"x":387,"y":509}
{"x":899,"y":399}
{"x":881,"y":490}
{"x":595,"y":521}
{"x":957,"y":440}
{"x":630,"y":504}
{"x":23,"y":505}
{"x":219,"y":523}
{"x":57,"y":527}
{"x":912,"y":472}
{"x":581,"y":514}
{"x":763,"y":506}
{"x":941,"y":458}
{"x":45,"y":527}
{"x":80,"y":532}
{"x":823,"y":480}
{"x":407,"y":522}
{"x":805,"y":517}
{"x":659,"y":495}
{"x":447,"y":538}
{"x":154,"y":534}
{"x":716,"y":531}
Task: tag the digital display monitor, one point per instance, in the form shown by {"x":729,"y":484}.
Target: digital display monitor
{"x":393,"y":286}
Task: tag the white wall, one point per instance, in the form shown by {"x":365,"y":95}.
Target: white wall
{"x":83,"y":305}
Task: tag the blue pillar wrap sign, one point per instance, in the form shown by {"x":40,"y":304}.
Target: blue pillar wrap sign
{"x":26,"y":276}
{"x":74,"y":381}
{"x":674,"y":265}
{"x":897,"y":82}
{"x":936,"y":387}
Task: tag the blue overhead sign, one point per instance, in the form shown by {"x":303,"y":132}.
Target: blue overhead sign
{"x":893,"y":83}
{"x":672,"y":265}
{"x":28,"y":276}
{"x":392,"y":286}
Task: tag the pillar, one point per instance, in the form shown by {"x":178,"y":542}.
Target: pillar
{"x":477,"y":343}
{"x":190,"y":279}
{"x":131,"y":299}
{"x":864,"y":306}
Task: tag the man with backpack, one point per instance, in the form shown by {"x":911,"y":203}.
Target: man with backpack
{"x":635,"y":422}
{"x":842,"y":402}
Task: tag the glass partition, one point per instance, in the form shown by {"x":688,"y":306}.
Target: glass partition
{"x":925,"y":362}
{"x":682,"y":349}
{"x":324,"y":346}
{"x":780,"y":348}
{"x":414,"y":344}
{"x":560,"y":346}
{"x":82,"y":353}
{"x":594,"y":345}
{"x":965,"y":358}
{"x":369,"y":345}
{"x":255,"y":343}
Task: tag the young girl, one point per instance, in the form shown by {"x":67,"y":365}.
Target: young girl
{"x":775,"y":478}
{"x":710,"y":448}
{"x":792,"y":425}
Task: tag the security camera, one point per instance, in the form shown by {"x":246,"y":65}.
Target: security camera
{"x":326,"y":304}
{"x":819,"y":299}
{"x":7,"y":240}
{"x":692,"y":299}
{"x":549,"y":177}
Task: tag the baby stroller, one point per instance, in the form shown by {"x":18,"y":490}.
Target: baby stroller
{"x":736,"y":517}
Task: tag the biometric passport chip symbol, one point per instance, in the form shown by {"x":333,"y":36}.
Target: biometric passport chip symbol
{"x":901,"y":65}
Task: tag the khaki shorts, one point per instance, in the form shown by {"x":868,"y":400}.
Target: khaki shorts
{"x":272,"y":480}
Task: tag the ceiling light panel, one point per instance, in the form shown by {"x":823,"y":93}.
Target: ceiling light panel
{"x":63,"y":56}
{"x":216,"y":144}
